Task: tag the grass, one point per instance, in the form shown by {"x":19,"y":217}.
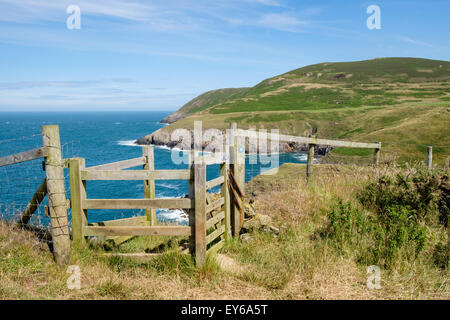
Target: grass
{"x":298,"y":264}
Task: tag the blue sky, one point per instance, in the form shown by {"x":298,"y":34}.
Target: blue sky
{"x":157,"y":55}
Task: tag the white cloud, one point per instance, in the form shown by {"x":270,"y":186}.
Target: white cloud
{"x":416,"y":42}
{"x":272,"y":3}
{"x":282,"y":21}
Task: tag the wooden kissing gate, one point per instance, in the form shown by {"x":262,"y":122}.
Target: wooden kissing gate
{"x":206,"y":234}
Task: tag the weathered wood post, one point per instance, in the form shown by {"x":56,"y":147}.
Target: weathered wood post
{"x":225,"y":191}
{"x":191,"y":217}
{"x":200,"y":210}
{"x":310,"y":162}
{"x":54,"y":170}
{"x":235,"y":163}
{"x":429,"y":157}
{"x":376,"y":156}
{"x":239,"y":174}
{"x":77,"y":195}
{"x":149,"y":185}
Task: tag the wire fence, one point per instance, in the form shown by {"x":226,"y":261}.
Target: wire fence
{"x":19,"y":182}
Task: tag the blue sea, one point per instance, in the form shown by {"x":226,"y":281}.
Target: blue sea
{"x":99,"y":137}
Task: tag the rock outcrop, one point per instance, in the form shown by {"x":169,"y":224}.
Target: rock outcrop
{"x":163,"y":137}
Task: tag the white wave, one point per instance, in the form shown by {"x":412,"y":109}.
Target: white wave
{"x":301,"y":157}
{"x":167,"y":186}
{"x":130,"y":143}
{"x":117,"y":123}
{"x":173,"y":215}
{"x":170,"y":149}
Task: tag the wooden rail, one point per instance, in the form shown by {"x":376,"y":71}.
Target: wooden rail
{"x":215,"y":182}
{"x":109,"y":175}
{"x":136,"y":203}
{"x":137,"y":231}
{"x":312,"y":140}
{"x":120,"y":165}
{"x":23,"y":157}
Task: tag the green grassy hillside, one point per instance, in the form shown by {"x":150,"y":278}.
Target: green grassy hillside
{"x":402,"y":102}
{"x":202,"y":102}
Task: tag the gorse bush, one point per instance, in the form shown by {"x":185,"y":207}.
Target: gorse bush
{"x":404,"y":205}
{"x":375,"y":238}
{"x":426,"y":193}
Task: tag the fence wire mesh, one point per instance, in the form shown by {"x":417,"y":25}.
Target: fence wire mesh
{"x":19,"y":183}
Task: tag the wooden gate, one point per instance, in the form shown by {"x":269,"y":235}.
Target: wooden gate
{"x":209,"y":221}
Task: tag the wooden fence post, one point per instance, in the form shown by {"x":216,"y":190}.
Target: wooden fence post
{"x":225,"y":191}
{"x":376,"y":157}
{"x":309,"y":164}
{"x":429,"y":157}
{"x":200,"y":212}
{"x":77,"y":195}
{"x":149,"y":185}
{"x":54,"y":170}
{"x":239,"y":174}
{"x":191,"y":217}
{"x":234,"y":168}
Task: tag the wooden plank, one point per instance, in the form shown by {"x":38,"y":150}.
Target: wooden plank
{"x":235,"y":184}
{"x":54,"y":171}
{"x":191,"y":212}
{"x":22,"y":157}
{"x":135,"y":175}
{"x":316,"y":141}
{"x":216,"y":219}
{"x":216,"y":204}
{"x":32,"y":206}
{"x":138,"y":257}
{"x":168,"y":203}
{"x":173,"y":175}
{"x":216,"y":247}
{"x":177,"y":231}
{"x":214,"y":235}
{"x":78,"y":195}
{"x":236,"y":197}
{"x":149,"y":184}
{"x":200,"y":213}
{"x":215,"y":182}
{"x":225,"y":191}
{"x":234,"y":209}
{"x":124,"y":164}
{"x":133,"y":221}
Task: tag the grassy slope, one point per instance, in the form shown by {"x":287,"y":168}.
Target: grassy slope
{"x":295,"y":265}
{"x":398,"y":101}
{"x":206,"y":100}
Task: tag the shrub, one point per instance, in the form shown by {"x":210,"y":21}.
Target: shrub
{"x":375,"y":238}
{"x":425,"y":192}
